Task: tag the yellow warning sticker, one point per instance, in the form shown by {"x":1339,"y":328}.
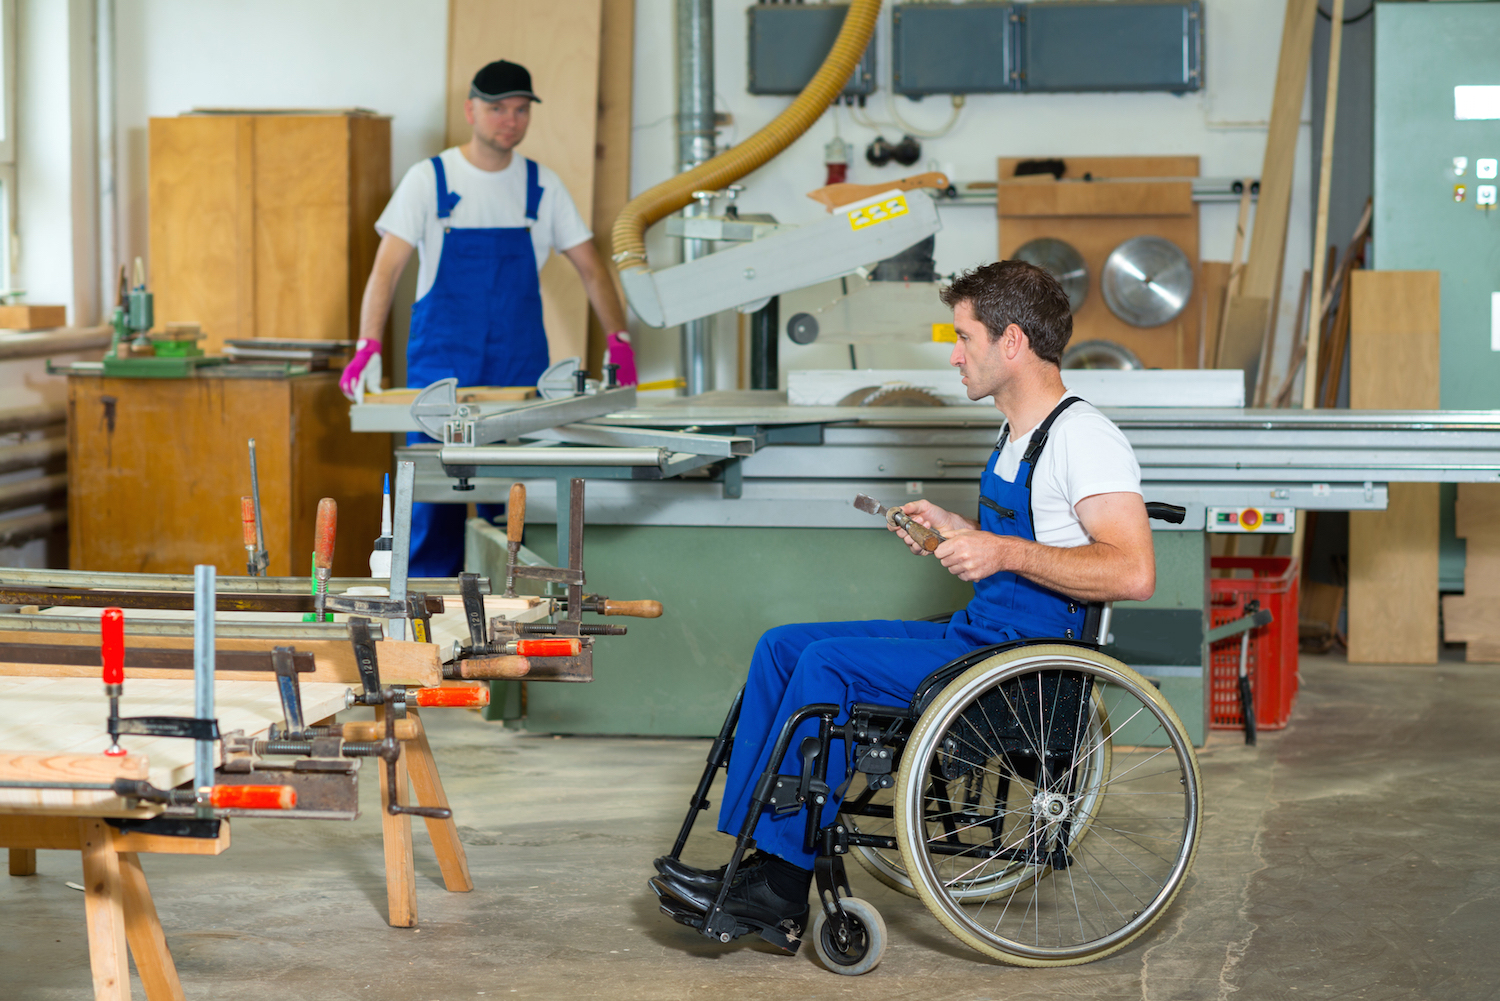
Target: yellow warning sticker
{"x":943,"y":333}
{"x":878,"y":212}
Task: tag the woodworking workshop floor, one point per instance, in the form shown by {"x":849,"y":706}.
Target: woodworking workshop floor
{"x":1349,"y":856}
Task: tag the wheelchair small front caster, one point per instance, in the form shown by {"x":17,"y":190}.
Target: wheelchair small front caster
{"x":861,"y":949}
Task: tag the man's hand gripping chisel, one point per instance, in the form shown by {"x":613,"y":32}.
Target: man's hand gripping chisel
{"x":921,"y":534}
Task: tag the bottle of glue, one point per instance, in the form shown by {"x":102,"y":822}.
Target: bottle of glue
{"x":380,"y":556}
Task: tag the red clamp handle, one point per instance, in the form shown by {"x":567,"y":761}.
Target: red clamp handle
{"x":112,"y":645}
{"x":247,"y":519}
{"x":550,"y":647}
{"x":253,"y":797}
{"x":462,"y":696}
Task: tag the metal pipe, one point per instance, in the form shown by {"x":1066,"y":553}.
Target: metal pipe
{"x":765,"y":329}
{"x":228,"y":629}
{"x":695,"y":145}
{"x":510,"y":455}
{"x":31,"y":454}
{"x":406,"y":479}
{"x":63,"y":340}
{"x":104,"y":74}
{"x":78,"y":579}
{"x":204,"y":604}
{"x":32,"y":418}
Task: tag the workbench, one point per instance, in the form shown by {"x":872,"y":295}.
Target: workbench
{"x":742,"y":544}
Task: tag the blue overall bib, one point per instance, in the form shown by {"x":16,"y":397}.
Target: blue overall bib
{"x":481,"y":322}
{"x":884,"y":661}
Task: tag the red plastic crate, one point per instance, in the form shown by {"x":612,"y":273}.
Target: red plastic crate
{"x":1272,"y":661}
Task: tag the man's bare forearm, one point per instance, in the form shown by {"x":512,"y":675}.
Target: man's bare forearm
{"x":598,"y":285}
{"x":380,"y":289}
{"x":1095,"y":572}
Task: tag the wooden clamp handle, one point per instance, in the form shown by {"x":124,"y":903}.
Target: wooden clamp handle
{"x":247,"y":519}
{"x":921,"y":534}
{"x":492,"y":668}
{"x":835,"y":195}
{"x":328,"y":517}
{"x":408,"y":728}
{"x":515,"y":512}
{"x":639,"y":609}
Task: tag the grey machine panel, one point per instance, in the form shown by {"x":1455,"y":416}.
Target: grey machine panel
{"x":788,"y":42}
{"x":1117,"y":45}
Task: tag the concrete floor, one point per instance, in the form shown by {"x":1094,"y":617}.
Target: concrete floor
{"x":1349,"y":856}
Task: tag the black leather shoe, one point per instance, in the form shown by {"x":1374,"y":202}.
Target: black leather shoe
{"x":709,"y":879}
{"x":751,"y":900}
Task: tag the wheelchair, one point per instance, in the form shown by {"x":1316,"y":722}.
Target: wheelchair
{"x":1039,"y":797}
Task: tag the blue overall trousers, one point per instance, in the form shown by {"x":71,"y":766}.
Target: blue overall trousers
{"x":883,"y":661}
{"x":481,"y":322}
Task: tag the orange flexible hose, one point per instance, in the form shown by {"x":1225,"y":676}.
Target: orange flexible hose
{"x":629,"y":234}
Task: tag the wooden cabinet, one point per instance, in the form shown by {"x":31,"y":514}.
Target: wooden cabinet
{"x":264,"y":225}
{"x":157,"y":468}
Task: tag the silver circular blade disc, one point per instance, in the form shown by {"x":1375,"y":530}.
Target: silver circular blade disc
{"x":1100,"y":354}
{"x":1062,"y":261}
{"x":1146,"y":281}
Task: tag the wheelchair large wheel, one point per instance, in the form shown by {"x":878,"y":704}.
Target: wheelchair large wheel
{"x":1003,"y":775}
{"x":887,"y":864}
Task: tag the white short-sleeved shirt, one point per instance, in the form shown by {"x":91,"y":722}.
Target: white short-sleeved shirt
{"x":1085,"y":455}
{"x":491,"y":199}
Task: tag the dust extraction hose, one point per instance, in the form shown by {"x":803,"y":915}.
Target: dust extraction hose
{"x":629,"y":235}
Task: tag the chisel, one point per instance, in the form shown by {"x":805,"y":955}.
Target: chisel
{"x":247,"y":519}
{"x":515,"y":524}
{"x":323,"y":535}
{"x":921,"y":534}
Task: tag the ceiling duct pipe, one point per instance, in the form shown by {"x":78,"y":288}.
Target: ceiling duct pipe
{"x":629,"y":235}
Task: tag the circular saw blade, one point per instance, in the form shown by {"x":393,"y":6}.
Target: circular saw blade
{"x":902,"y":396}
{"x":1100,"y":355}
{"x":1146,"y":281}
{"x":1062,"y":261}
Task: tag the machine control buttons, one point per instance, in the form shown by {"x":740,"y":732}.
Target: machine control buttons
{"x":1484,"y":194}
{"x":1252,"y":519}
{"x":1460,"y":164}
{"x":1487,"y":168}
{"x":1459,"y":191}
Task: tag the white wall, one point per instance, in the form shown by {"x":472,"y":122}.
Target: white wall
{"x":1225,"y":125}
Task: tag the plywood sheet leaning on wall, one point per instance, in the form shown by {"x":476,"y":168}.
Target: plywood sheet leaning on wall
{"x":1473,"y":617}
{"x":1393,"y":554}
{"x":558,"y":42}
{"x":1097,"y":204}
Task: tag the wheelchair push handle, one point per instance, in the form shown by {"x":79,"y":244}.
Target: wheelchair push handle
{"x":1173,"y":513}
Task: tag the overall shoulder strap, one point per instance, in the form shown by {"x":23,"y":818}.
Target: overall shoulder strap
{"x":533,"y":191}
{"x":1039,"y":439}
{"x":446,"y":199}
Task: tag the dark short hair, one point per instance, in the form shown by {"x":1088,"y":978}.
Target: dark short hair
{"x":1007,"y":292}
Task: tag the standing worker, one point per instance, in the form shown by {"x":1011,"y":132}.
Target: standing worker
{"x":484,"y":222}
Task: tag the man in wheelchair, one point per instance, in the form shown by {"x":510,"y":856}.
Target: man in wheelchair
{"x":1060,"y":523}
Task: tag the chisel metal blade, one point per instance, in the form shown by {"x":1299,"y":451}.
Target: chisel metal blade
{"x":868,"y":504}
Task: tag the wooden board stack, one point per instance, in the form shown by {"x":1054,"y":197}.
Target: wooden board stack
{"x":1474,"y":616}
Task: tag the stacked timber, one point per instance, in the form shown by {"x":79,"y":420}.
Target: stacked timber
{"x":1474,"y":616}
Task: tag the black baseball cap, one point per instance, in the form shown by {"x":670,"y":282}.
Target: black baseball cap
{"x":501,"y":79}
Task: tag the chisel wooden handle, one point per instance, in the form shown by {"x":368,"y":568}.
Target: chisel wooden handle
{"x":491,"y":668}
{"x":363,"y":729}
{"x":247,"y":519}
{"x":835,"y":195}
{"x":644,"y":609}
{"x":328,"y":516}
{"x":515,"y":512}
{"x":921,"y":534}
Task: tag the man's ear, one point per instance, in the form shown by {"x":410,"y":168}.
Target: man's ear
{"x":1014,"y":339}
{"x":469,"y":110}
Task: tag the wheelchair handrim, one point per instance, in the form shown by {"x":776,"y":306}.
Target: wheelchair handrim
{"x":958,"y":698}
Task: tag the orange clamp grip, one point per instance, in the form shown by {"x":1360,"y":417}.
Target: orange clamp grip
{"x":328,"y":516}
{"x":247,"y":519}
{"x":459,"y":696}
{"x":253,"y":797}
{"x":550,"y":647}
{"x":112,"y":645}
{"x":515,"y":512}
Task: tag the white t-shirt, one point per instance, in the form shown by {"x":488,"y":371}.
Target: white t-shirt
{"x":1085,"y":455}
{"x":491,"y":199}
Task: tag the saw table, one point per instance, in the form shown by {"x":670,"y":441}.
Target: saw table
{"x":737,"y":506}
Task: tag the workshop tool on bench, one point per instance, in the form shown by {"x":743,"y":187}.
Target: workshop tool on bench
{"x":515,"y":522}
{"x":1254,"y":618}
{"x":323,"y":537}
{"x":249,"y":524}
{"x":380,"y":555}
{"x":921,"y":534}
{"x":259,"y":559}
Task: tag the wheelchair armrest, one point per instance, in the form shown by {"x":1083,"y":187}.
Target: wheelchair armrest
{"x":939,"y":617}
{"x":1173,"y":513}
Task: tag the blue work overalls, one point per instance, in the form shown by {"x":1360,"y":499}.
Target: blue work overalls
{"x":884,"y":661}
{"x":481,"y":322}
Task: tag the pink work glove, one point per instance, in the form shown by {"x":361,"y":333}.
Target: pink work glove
{"x":362,"y":374}
{"x":619,"y":352}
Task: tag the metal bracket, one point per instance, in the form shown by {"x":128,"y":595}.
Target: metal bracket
{"x":364,"y":655}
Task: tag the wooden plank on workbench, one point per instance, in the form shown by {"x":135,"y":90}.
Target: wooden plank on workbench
{"x":1393,"y":554}
{"x":65,"y":767}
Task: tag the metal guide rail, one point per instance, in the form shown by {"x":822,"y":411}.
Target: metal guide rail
{"x":1207,"y":460}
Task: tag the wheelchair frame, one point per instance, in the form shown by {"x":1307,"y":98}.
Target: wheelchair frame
{"x":875,"y":738}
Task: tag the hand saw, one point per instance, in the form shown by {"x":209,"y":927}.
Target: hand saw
{"x":921,"y":534}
